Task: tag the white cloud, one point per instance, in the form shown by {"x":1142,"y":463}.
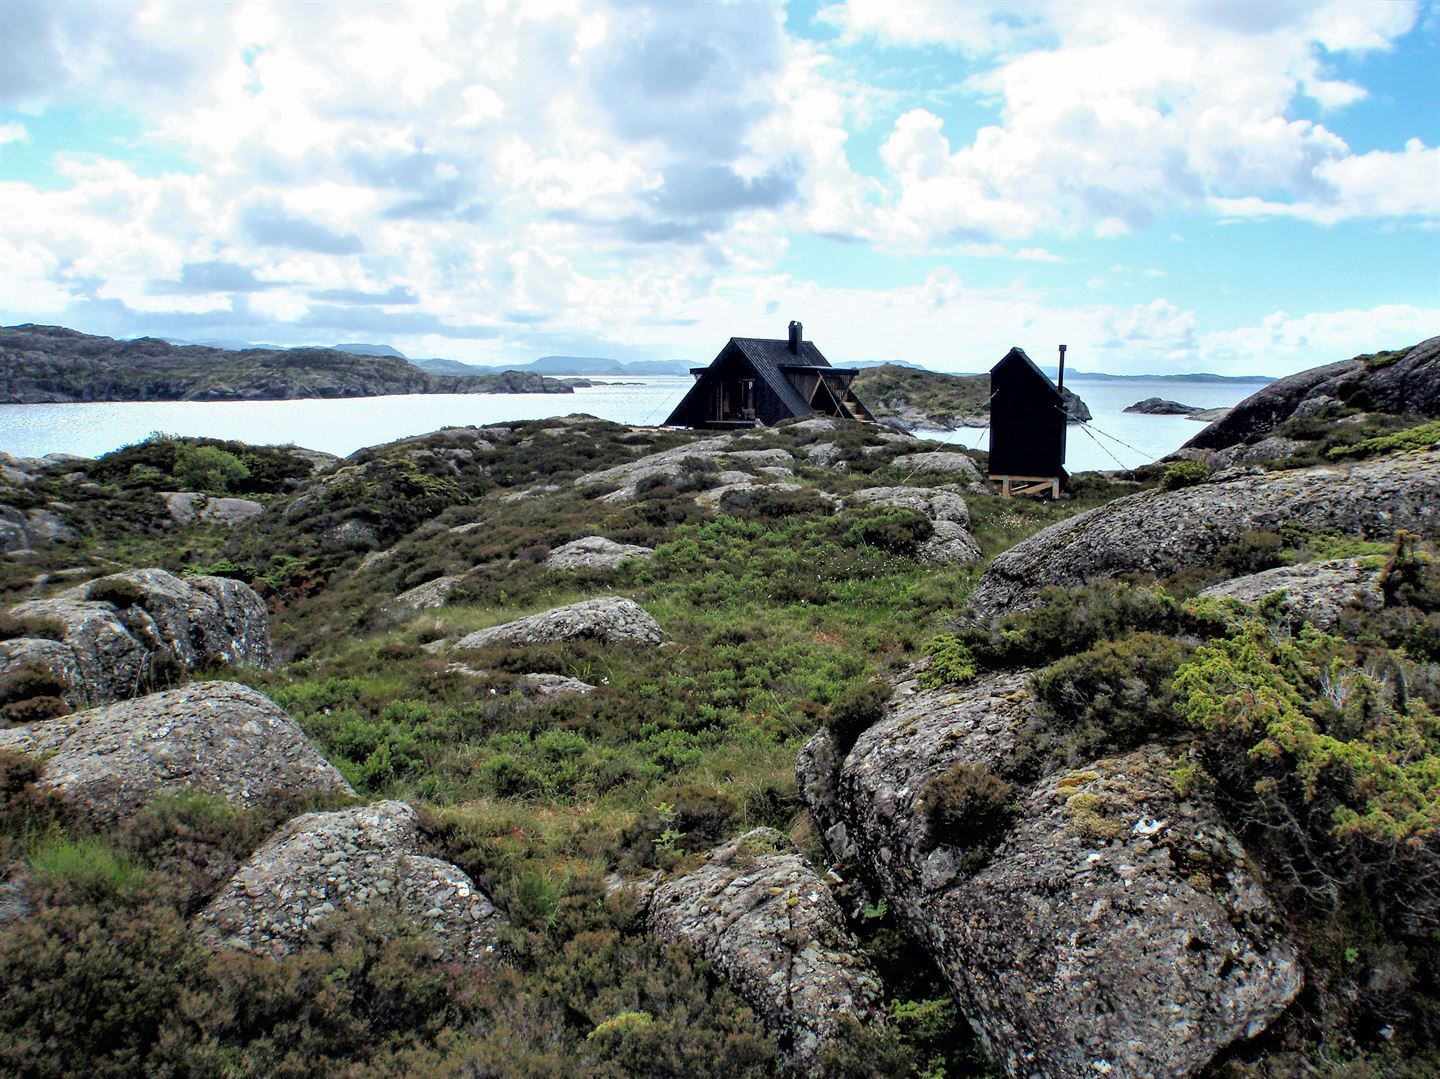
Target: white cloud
{"x":1374,"y":184}
{"x":1282,"y":343}
{"x":531,"y":173}
{"x":1129,"y":111}
{"x":13,"y":132}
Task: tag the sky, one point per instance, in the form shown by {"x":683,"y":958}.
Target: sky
{"x":1234,"y":187}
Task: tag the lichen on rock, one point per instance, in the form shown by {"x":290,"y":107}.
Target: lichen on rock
{"x":218,"y":737}
{"x":122,"y":630}
{"x":761,"y":914}
{"x":608,"y":619}
{"x":1114,"y":925}
{"x":363,"y":858}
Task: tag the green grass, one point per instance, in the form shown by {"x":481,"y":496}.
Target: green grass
{"x":83,"y":863}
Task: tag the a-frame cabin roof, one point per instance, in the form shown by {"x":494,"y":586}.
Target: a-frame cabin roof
{"x":1017,"y":355}
{"x":769,"y":356}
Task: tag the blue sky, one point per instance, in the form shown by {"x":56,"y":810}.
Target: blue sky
{"x":1234,"y":187}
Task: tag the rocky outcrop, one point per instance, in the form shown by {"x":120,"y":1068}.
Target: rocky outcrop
{"x":551,"y":685}
{"x":825,"y":455}
{"x":187,"y":506}
{"x":666,"y":464}
{"x":1315,"y":592}
{"x":219,"y":737}
{"x":757,"y":459}
{"x":432,"y":593}
{"x":1273,"y":448}
{"x":26,"y":530}
{"x":950,"y":541}
{"x":366,"y":858}
{"x":125,"y":629}
{"x":764,"y":918}
{"x":934,"y":504}
{"x":1405,"y":383}
{"x":608,"y":619}
{"x":594,"y":553}
{"x":1114,"y":928}
{"x":1161,"y":532}
{"x":739,"y":496}
{"x":938,"y":463}
{"x":1158,"y":406}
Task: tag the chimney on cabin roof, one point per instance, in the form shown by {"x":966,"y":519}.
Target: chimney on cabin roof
{"x":795,"y":330}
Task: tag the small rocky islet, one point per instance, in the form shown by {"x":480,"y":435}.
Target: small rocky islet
{"x":565,"y":747}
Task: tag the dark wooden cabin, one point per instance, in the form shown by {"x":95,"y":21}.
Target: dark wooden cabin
{"x":757,"y":382}
{"x":1027,"y":426}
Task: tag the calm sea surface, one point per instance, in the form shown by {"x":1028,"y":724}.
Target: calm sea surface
{"x":345,"y":425}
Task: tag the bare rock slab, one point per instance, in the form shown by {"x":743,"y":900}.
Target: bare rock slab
{"x":1116,"y":928}
{"x":1315,"y":592}
{"x":1161,"y":532}
{"x":608,"y":619}
{"x":365,"y":858}
{"x":769,"y":924}
{"x":595,"y":553}
{"x":122,"y":627}
{"x":432,"y":593}
{"x":188,"y":506}
{"x":938,"y":463}
{"x":218,"y":737}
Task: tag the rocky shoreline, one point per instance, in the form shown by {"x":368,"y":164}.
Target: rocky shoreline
{"x":54,"y":365}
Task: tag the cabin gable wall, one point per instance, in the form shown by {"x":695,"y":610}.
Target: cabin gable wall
{"x":1027,"y":422}
{"x":719,"y":394}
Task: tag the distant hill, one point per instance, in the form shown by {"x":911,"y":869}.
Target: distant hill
{"x":564,"y":365}
{"x":49,"y":364}
{"x":1097,"y":376}
{"x":369,"y":350}
{"x":930,"y":400}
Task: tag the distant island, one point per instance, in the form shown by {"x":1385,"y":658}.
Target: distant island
{"x":1158,"y":406}
{"x":52,"y":364}
{"x":929,"y":400}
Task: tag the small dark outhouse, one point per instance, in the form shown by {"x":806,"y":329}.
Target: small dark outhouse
{"x":1027,"y":426}
{"x":756,"y":382}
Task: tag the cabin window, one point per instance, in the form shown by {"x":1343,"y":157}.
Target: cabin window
{"x":747,"y":398}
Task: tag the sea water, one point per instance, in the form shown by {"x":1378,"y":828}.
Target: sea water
{"x":1113,"y":438}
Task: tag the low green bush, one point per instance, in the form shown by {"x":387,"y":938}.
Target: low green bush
{"x":1333,"y":774}
{"x":1066,"y":621}
{"x":897,"y":531}
{"x":1424,"y":436}
{"x":209,"y":469}
{"x":951,"y":663}
{"x":120,"y":591}
{"x":1184,"y":474}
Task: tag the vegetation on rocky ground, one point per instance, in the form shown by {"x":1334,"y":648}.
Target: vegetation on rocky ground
{"x":782,"y":616}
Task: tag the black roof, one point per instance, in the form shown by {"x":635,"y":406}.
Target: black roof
{"x":769,"y":356}
{"x":1018,"y":354}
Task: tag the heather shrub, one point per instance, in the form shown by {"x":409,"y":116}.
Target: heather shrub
{"x":897,"y":531}
{"x":970,"y":807}
{"x":855,"y":708}
{"x":1110,"y":698}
